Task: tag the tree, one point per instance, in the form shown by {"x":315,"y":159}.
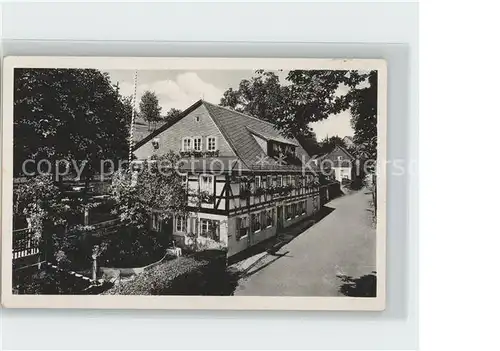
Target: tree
{"x":171,"y":114}
{"x":320,"y":89}
{"x":149,"y":108}
{"x":68,"y":115}
{"x":158,"y":186}
{"x":329,"y":143}
{"x":264,"y":97}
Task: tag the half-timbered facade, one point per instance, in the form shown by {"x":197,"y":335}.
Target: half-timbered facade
{"x":258,"y":181}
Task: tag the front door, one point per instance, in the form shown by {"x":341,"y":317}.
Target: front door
{"x":279,"y":218}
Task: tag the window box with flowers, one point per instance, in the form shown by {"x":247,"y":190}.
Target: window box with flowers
{"x":245,"y":187}
{"x":191,"y":153}
{"x":211,"y":153}
{"x":260,"y":191}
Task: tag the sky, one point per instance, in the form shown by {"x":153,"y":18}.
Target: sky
{"x":180,"y":89}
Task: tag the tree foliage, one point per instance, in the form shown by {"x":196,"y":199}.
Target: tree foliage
{"x":171,"y":114}
{"x":154,"y":186}
{"x":329,"y":143}
{"x":264,"y":97}
{"x":38,"y":200}
{"x":310,"y":96}
{"x":320,"y":88}
{"x":149,"y":108}
{"x":68,"y":114}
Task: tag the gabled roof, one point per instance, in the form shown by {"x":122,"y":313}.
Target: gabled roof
{"x":237,"y":129}
{"x":167,"y":125}
{"x":338,"y":147}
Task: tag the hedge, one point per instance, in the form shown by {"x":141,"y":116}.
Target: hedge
{"x":173,"y":277}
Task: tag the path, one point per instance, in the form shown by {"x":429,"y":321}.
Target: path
{"x":343,"y":242}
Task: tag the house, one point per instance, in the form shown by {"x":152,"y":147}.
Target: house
{"x":255,"y":176}
{"x":341,"y":163}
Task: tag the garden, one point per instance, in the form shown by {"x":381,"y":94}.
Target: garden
{"x":78,"y":251}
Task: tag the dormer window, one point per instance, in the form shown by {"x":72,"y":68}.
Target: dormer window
{"x":156,"y":143}
{"x":187,"y":144}
{"x":275,"y":149}
{"x":197,"y":143}
{"x":211,"y":143}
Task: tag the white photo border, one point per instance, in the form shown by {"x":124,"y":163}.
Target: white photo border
{"x":11,"y":300}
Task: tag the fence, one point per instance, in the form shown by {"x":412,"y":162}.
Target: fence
{"x":23,"y":243}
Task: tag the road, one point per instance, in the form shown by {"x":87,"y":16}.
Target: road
{"x":343,"y":242}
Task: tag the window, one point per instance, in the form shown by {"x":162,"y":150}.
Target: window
{"x":289,"y":180}
{"x":315,"y":204}
{"x":207,"y":183}
{"x":197,"y":144}
{"x":269,"y":218}
{"x":156,"y":143}
{"x":279,"y":181}
{"x":304,"y":204}
{"x":209,"y":228}
{"x":269,"y":181}
{"x":180,"y":224}
{"x":184,"y":179}
{"x":288,"y":212}
{"x":241,"y":227}
{"x":187,"y":144}
{"x":197,"y":118}
{"x":211,"y":143}
{"x":244,"y":188}
{"x":256,"y":222}
{"x":257,"y":182}
{"x":285,"y":181}
{"x":339,"y":158}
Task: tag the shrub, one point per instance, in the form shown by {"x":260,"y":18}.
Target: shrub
{"x":157,"y":279}
{"x":132,"y":247}
{"x":199,"y":274}
{"x":48,"y":282}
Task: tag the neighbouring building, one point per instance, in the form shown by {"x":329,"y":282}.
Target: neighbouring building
{"x":238,"y":160}
{"x":342,"y":163}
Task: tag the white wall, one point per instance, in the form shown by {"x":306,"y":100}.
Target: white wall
{"x":182,"y":239}
{"x":346,"y":170}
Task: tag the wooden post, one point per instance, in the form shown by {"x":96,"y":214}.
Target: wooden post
{"x":95,"y":253}
{"x":86,"y":216}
